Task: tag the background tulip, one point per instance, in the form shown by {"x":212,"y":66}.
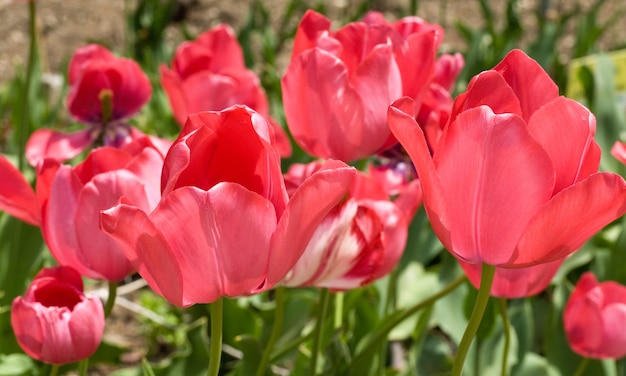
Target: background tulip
{"x":503,"y":188}
{"x":360,"y":240}
{"x":338,"y":85}
{"x":222,"y":176}
{"x":104,"y":90}
{"x":55,"y":322}
{"x":594,"y":316}
{"x":72,"y":197}
{"x":515,"y":283}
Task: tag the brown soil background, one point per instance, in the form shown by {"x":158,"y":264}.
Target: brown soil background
{"x":65,"y":25}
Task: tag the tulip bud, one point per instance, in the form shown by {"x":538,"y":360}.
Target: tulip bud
{"x":55,"y":322}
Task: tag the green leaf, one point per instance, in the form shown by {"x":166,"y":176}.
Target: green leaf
{"x":16,"y":365}
{"x":252,"y":353}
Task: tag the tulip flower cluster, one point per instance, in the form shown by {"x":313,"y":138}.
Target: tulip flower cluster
{"x":508,"y":174}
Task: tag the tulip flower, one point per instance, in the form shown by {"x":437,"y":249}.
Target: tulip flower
{"x":225,"y":225}
{"x":16,"y":195}
{"x":593,"y":318}
{"x":72,"y":197}
{"x":209,"y":74}
{"x":515,"y":283}
{"x":338,"y":85}
{"x":360,"y":240}
{"x":514,"y":180}
{"x":104,"y":90}
{"x":55,"y":322}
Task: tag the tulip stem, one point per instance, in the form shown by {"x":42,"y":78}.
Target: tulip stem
{"x":319,"y":330}
{"x":338,"y":319}
{"x":486,"y":280}
{"x":279,"y":313}
{"x":55,"y":370}
{"x":506,"y":327}
{"x":82,"y":367}
{"x":108,"y":307}
{"x":217,"y":313}
{"x":581,"y":367}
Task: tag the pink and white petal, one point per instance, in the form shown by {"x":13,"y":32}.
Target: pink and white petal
{"x":531,"y":84}
{"x":570,"y":218}
{"x":46,"y":143}
{"x":16,"y":195}
{"x":496,"y":177}
{"x":402,"y":124}
{"x":99,"y":251}
{"x":306,"y":209}
{"x":577,"y":158}
{"x":216,"y":260}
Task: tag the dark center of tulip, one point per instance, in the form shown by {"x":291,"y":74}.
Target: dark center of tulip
{"x":57,"y":294}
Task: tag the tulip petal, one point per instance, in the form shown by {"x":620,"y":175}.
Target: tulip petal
{"x":329,"y":126}
{"x":403,"y":126}
{"x":46,"y":143}
{"x":100,"y":252}
{"x":16,"y":195}
{"x":201,"y":255}
{"x":309,"y":29}
{"x":530,"y":82}
{"x":59,"y":228}
{"x":580,"y":145}
{"x":570,"y":218}
{"x":490,"y":168}
{"x":308,"y":206}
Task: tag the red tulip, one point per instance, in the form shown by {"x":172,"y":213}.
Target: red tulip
{"x":338,"y":85}
{"x":594,"y":316}
{"x":72,"y":197}
{"x":360,"y":240}
{"x":55,"y":322}
{"x":209,"y":74}
{"x":225,"y":225}
{"x":514,"y":180}
{"x":16,"y":195}
{"x":104,"y":90}
{"x":515,"y":283}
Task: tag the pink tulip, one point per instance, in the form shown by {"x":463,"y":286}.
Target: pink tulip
{"x":515,"y":283}
{"x":619,"y":151}
{"x":514,"y":180}
{"x":338,"y":85}
{"x":225,"y":225}
{"x":55,"y":322}
{"x":71,"y":199}
{"x":360,"y":240}
{"x":104,"y":90}
{"x":593,"y":318}
{"x":209,"y":74}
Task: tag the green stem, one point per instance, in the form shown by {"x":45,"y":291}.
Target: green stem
{"x":486,"y":280}
{"x":55,"y":370}
{"x":82,"y":367}
{"x":388,"y":307}
{"x":23,"y":131}
{"x":108,"y":307}
{"x":395,"y":319}
{"x":338,"y":318}
{"x":319,"y":330}
{"x":217,"y":313}
{"x":279,"y":313}
{"x":506,"y":327}
{"x":581,"y":367}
